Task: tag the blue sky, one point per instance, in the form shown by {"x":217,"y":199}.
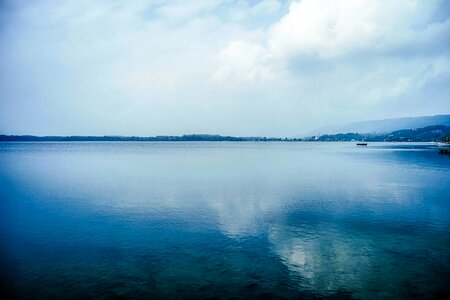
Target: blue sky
{"x":273,"y":68}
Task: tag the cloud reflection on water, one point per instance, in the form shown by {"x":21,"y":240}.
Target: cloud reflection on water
{"x":338,"y":217}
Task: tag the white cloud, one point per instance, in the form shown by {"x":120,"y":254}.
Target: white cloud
{"x":173,"y":67}
{"x":335,"y":28}
{"x":243,"y":61}
{"x":346,"y":53}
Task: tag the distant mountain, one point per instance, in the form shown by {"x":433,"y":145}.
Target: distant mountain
{"x":386,"y":126}
{"x":436,"y":133}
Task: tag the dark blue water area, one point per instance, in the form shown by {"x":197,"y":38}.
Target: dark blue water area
{"x":224,"y":220}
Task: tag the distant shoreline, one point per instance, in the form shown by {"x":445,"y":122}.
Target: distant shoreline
{"x":437,"y":133}
{"x":182,"y":138}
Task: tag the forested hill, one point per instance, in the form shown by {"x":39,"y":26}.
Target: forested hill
{"x":385,"y":126}
{"x":436,"y":133}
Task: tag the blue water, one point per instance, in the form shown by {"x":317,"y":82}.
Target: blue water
{"x":222,"y":220}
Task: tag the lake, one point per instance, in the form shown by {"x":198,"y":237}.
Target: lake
{"x":222,"y":220}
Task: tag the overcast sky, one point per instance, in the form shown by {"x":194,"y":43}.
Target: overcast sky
{"x":272,"y":68}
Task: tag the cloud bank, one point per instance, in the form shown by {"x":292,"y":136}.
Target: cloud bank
{"x":228,"y":67}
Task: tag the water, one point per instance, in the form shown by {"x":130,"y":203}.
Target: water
{"x":197,"y":220}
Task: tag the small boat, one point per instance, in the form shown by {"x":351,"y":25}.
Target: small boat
{"x":361,"y":144}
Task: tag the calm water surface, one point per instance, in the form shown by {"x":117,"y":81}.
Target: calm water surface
{"x":196,"y":220}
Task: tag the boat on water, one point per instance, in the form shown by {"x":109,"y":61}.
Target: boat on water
{"x":361,"y":144}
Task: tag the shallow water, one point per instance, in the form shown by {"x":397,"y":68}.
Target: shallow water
{"x":202,"y":219}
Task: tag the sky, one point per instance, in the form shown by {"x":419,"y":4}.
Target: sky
{"x":247,"y":68}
